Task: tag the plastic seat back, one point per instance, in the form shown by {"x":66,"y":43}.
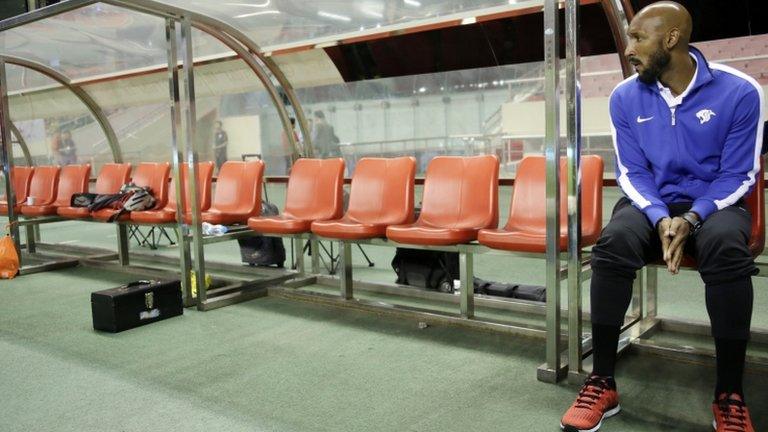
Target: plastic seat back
{"x":111,"y":177}
{"x":382,"y":191}
{"x":155,"y":176}
{"x":204,"y":180}
{"x":238,"y":188}
{"x":315,"y":189}
{"x":43,"y":185}
{"x":461,"y":193}
{"x":528,"y":211}
{"x":756,"y":205}
{"x":20,"y":177}
{"x":73,"y":179}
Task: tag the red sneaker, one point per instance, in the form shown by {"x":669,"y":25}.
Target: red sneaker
{"x":731,"y":414}
{"x":597,"y":400}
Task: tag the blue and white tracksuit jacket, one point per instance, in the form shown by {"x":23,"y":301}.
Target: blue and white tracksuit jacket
{"x":702,"y":146}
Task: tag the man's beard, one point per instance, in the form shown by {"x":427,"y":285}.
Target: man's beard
{"x":656,"y":65}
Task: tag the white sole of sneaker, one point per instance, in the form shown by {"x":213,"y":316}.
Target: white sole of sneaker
{"x":610,"y":413}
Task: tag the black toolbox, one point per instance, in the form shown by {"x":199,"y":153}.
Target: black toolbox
{"x":135,"y":304}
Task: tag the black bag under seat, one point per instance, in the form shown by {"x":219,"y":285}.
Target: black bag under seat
{"x":435,"y":270}
{"x":263,"y":250}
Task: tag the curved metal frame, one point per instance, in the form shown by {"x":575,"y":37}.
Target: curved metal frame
{"x":22,"y":143}
{"x":81,"y":94}
{"x":619,"y":13}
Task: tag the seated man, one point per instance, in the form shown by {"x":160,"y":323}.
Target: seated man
{"x":687,"y":135}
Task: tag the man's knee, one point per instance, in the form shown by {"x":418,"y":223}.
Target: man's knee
{"x":622,"y":245}
{"x":722,"y":249}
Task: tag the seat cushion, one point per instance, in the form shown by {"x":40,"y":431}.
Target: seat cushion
{"x":279,"y":225}
{"x":217,"y":217}
{"x":73,"y":212}
{"x":153,"y":216}
{"x":42,"y":210}
{"x":526,"y":241}
{"x":347,"y":229}
{"x":4,"y":208}
{"x":426,"y":235}
{"x":105,"y":214}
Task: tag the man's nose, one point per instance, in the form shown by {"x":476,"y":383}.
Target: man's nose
{"x":630,"y":50}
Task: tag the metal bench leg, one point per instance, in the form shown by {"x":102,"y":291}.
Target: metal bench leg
{"x":122,"y":244}
{"x":298,"y":255}
{"x":345,"y":266}
{"x":467,"y":275}
{"x":651,"y":292}
{"x":313,"y":244}
{"x":30,"y":231}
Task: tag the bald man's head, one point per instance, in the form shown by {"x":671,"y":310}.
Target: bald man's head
{"x":656,"y":32}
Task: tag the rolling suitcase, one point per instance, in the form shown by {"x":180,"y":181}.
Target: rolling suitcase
{"x":135,"y":304}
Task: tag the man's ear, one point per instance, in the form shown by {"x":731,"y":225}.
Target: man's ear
{"x":673,"y":37}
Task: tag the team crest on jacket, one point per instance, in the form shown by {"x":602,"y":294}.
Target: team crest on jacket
{"x":704,"y":115}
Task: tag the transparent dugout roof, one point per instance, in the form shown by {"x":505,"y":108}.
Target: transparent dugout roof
{"x":273,"y":24}
{"x":101,"y":38}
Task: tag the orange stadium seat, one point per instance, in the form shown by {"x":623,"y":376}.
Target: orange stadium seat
{"x":21,"y":176}
{"x":381,"y":195}
{"x":526,"y":228}
{"x":111,"y":177}
{"x":43,"y":186}
{"x":238,"y":194}
{"x":148,"y":174}
{"x":314,"y":193}
{"x":167,"y":214}
{"x":72,"y":179}
{"x":460,"y":198}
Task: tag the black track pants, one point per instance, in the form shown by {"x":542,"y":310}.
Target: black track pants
{"x":725,"y":264}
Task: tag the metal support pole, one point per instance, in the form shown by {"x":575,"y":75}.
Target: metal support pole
{"x":467,"y":273}
{"x":345,"y":272}
{"x":573,"y":132}
{"x":298,"y":254}
{"x":190,"y":143}
{"x":552,"y":370}
{"x":652,"y":292}
{"x":636,"y":308}
{"x":314,"y":246}
{"x":122,"y":244}
{"x":30,"y":231}
{"x":7,"y":159}
{"x":185,"y":259}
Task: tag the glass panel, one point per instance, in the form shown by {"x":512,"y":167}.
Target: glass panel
{"x":467,"y":112}
{"x":56,"y":125}
{"x":274,"y":23}
{"x":117,"y":39}
{"x":237,"y":119}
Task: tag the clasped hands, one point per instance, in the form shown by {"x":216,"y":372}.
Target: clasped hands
{"x":673,"y":233}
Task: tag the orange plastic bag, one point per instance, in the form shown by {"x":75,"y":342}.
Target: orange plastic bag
{"x":9,"y":259}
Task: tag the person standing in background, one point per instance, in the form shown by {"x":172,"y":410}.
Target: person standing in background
{"x":220,"y":141}
{"x":324,"y":138}
{"x":64,"y":149}
{"x":284,"y":156}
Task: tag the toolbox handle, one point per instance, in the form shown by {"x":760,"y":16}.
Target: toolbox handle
{"x":140,"y":282}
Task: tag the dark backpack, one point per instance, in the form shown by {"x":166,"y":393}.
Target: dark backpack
{"x":261,"y":250}
{"x":433,"y":270}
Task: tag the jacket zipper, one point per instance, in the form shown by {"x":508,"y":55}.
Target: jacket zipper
{"x":673,"y":115}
